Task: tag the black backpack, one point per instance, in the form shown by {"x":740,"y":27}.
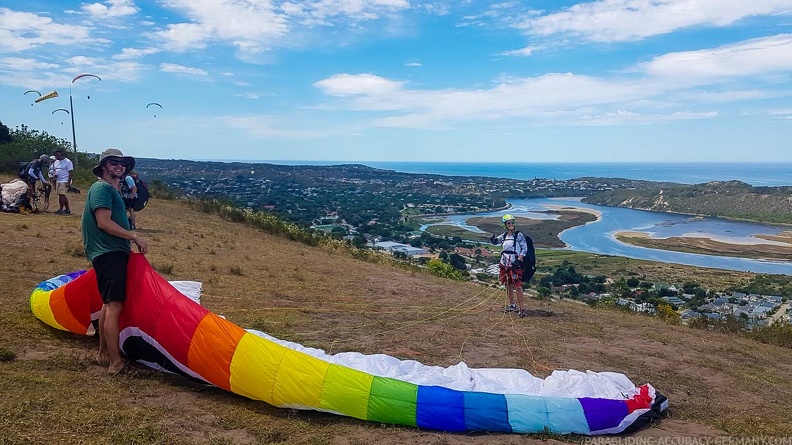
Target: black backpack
{"x":23,"y":171}
{"x":529,"y":261}
{"x":139,"y":203}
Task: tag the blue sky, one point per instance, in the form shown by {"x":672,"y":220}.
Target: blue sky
{"x":403,"y":80}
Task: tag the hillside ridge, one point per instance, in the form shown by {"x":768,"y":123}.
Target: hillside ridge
{"x":717,"y":384}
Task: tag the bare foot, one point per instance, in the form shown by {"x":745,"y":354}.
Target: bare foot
{"x":116,"y":368}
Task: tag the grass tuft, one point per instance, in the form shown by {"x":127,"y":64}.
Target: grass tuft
{"x":7,"y":355}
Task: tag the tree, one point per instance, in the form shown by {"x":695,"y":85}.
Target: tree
{"x":633,"y":282}
{"x":544,"y":292}
{"x":358,"y":241}
{"x":457,"y":261}
{"x":5,"y":134}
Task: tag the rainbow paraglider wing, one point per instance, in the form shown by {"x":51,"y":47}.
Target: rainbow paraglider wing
{"x":165,"y":330}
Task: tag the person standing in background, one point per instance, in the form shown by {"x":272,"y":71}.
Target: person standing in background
{"x":515,"y":247}
{"x":61,"y":171}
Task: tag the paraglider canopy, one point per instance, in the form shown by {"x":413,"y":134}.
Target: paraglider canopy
{"x":60,"y":109}
{"x":32,"y":91}
{"x":155,"y":104}
{"x":80,"y":76}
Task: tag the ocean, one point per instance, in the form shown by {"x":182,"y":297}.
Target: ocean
{"x":756,"y":174}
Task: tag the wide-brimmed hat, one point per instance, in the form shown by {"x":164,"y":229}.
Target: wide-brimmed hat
{"x":129,"y":161}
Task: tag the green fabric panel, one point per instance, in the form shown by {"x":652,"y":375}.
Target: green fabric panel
{"x":393,"y":401}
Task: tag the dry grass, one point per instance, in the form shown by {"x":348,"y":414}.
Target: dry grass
{"x":54,"y":392}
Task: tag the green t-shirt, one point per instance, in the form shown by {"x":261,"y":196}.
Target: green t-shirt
{"x":96,"y":241}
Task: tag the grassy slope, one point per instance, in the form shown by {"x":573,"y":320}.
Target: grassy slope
{"x":54,"y":392}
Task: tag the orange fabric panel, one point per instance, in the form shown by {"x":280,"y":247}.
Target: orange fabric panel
{"x":63,"y":313}
{"x":212,"y":349}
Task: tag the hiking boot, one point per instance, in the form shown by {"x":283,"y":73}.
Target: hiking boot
{"x":67,"y":212}
{"x":510,"y":308}
{"x":523,"y":313}
{"x":59,"y":212}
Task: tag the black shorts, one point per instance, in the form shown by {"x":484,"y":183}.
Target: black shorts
{"x":111,"y":275}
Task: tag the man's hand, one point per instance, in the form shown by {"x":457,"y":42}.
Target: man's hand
{"x":141,"y":244}
{"x":517,"y":264}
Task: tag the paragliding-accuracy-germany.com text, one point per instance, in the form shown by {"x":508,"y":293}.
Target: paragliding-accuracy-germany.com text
{"x":679,"y":440}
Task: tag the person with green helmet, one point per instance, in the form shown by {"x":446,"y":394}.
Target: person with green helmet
{"x":515,"y":247}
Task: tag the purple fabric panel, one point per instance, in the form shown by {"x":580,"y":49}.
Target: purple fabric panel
{"x":603,"y":413}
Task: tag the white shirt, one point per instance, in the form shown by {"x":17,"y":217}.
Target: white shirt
{"x":62,"y":169}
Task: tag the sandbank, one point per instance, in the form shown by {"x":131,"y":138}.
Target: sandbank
{"x":596,"y":213}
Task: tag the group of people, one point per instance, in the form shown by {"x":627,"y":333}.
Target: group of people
{"x":60,"y":173}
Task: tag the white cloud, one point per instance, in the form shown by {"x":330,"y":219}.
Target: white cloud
{"x":659,"y":90}
{"x":413,"y":64}
{"x":357,"y":84}
{"x":21,"y":64}
{"x":183,"y":37}
{"x":111,"y":8}
{"x":106,"y":70}
{"x":174,"y":68}
{"x":247,"y":25}
{"x":353,"y":9}
{"x":621,"y":20}
{"x":135,"y":53}
{"x":754,"y":57}
{"x":522,"y":52}
{"x":20,"y":31}
{"x":622,"y":117}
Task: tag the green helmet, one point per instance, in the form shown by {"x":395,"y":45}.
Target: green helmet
{"x":506,"y":218}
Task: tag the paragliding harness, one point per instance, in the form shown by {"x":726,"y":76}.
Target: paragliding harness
{"x":529,"y":260}
{"x":138,"y":203}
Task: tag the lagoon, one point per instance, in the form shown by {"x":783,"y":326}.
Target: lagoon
{"x":599,"y":236}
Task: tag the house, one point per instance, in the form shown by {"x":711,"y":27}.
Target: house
{"x":392,"y":247}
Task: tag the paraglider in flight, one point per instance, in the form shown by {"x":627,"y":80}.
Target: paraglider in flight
{"x":80,"y":76}
{"x":164,"y":329}
{"x":154,"y":104}
{"x":32,"y":91}
{"x":60,"y":109}
{"x":47,"y":96}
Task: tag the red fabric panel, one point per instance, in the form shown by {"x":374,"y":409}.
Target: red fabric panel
{"x":159,"y":309}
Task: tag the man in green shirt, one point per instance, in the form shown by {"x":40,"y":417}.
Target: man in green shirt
{"x":106,"y":237}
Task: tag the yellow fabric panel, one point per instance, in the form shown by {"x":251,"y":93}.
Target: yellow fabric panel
{"x":346,"y":391}
{"x":40,"y":306}
{"x":299,"y":381}
{"x":254,"y":367}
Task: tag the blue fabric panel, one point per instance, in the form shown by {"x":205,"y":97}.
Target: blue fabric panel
{"x":440,"y":409}
{"x":486,"y":412}
{"x":532,"y":414}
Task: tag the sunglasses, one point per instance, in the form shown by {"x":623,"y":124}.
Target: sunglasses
{"x":509,"y":222}
{"x":115,"y":162}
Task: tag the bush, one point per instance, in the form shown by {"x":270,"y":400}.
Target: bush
{"x":444,"y":270}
